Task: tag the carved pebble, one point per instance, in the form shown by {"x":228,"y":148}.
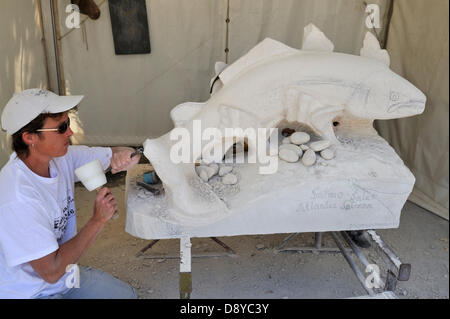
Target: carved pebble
{"x":327,"y":154}
{"x":211,"y":172}
{"x":199,"y":168}
{"x":205,"y":172}
{"x":224,"y":170}
{"x":304,"y":147}
{"x":309,"y":158}
{"x":300,"y":138}
{"x":215,"y":167}
{"x":286,"y":140}
{"x":292,"y":147}
{"x":203,"y":175}
{"x":288,"y":155}
{"x":319,"y":145}
{"x":229,"y":179}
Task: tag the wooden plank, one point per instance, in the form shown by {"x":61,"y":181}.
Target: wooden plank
{"x":185,"y":285}
{"x":185,"y":268}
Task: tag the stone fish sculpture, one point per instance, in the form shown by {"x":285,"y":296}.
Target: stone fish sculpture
{"x":270,"y":84}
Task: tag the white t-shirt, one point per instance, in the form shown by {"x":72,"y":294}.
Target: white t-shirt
{"x":37,"y":215}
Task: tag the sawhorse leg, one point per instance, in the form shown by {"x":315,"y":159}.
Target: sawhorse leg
{"x":316,"y":249}
{"x":230,"y":251}
{"x":143,"y":250}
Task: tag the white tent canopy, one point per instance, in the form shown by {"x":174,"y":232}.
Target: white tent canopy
{"x":129,"y":98}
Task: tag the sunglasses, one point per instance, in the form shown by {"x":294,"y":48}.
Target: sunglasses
{"x":61,"y":129}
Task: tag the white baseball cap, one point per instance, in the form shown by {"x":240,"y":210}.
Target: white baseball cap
{"x":25,"y":106}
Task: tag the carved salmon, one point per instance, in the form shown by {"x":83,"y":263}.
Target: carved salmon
{"x":272,"y":83}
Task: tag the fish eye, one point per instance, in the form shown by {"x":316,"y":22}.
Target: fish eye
{"x":394,"y":96}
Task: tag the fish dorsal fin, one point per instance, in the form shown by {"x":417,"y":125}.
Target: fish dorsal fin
{"x":316,"y":40}
{"x":216,"y":84}
{"x":371,"y":49}
{"x":219,"y":67}
{"x":262,"y":52}
{"x":182,"y":113}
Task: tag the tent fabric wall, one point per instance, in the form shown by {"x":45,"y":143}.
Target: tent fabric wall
{"x":129,"y":98}
{"x":22,"y":55}
{"x":342,"y":21}
{"x":418,"y":45}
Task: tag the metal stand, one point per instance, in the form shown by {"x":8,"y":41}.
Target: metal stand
{"x":372,"y":283}
{"x":143,"y":250}
{"x":354,"y":267}
{"x":400,"y":270}
{"x":397,"y":271}
{"x":230,"y":252}
{"x":186,"y":261}
{"x":316,"y":249}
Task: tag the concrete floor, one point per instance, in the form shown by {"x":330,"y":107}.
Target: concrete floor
{"x":259,"y":272}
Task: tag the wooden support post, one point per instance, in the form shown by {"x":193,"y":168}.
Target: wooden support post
{"x":185,"y":268}
{"x":57,"y":47}
{"x":318,"y":240}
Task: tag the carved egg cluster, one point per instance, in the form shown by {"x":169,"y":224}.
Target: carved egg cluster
{"x":297,"y":147}
{"x":206,"y":172}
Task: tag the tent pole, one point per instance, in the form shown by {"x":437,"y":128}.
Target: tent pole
{"x":44,"y":45}
{"x":387,"y":24}
{"x":57,"y":48}
{"x":227,"y":32}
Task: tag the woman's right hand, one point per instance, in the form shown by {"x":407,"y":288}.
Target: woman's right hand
{"x":105,"y":205}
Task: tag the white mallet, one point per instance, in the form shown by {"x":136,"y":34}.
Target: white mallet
{"x":93,"y":177}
